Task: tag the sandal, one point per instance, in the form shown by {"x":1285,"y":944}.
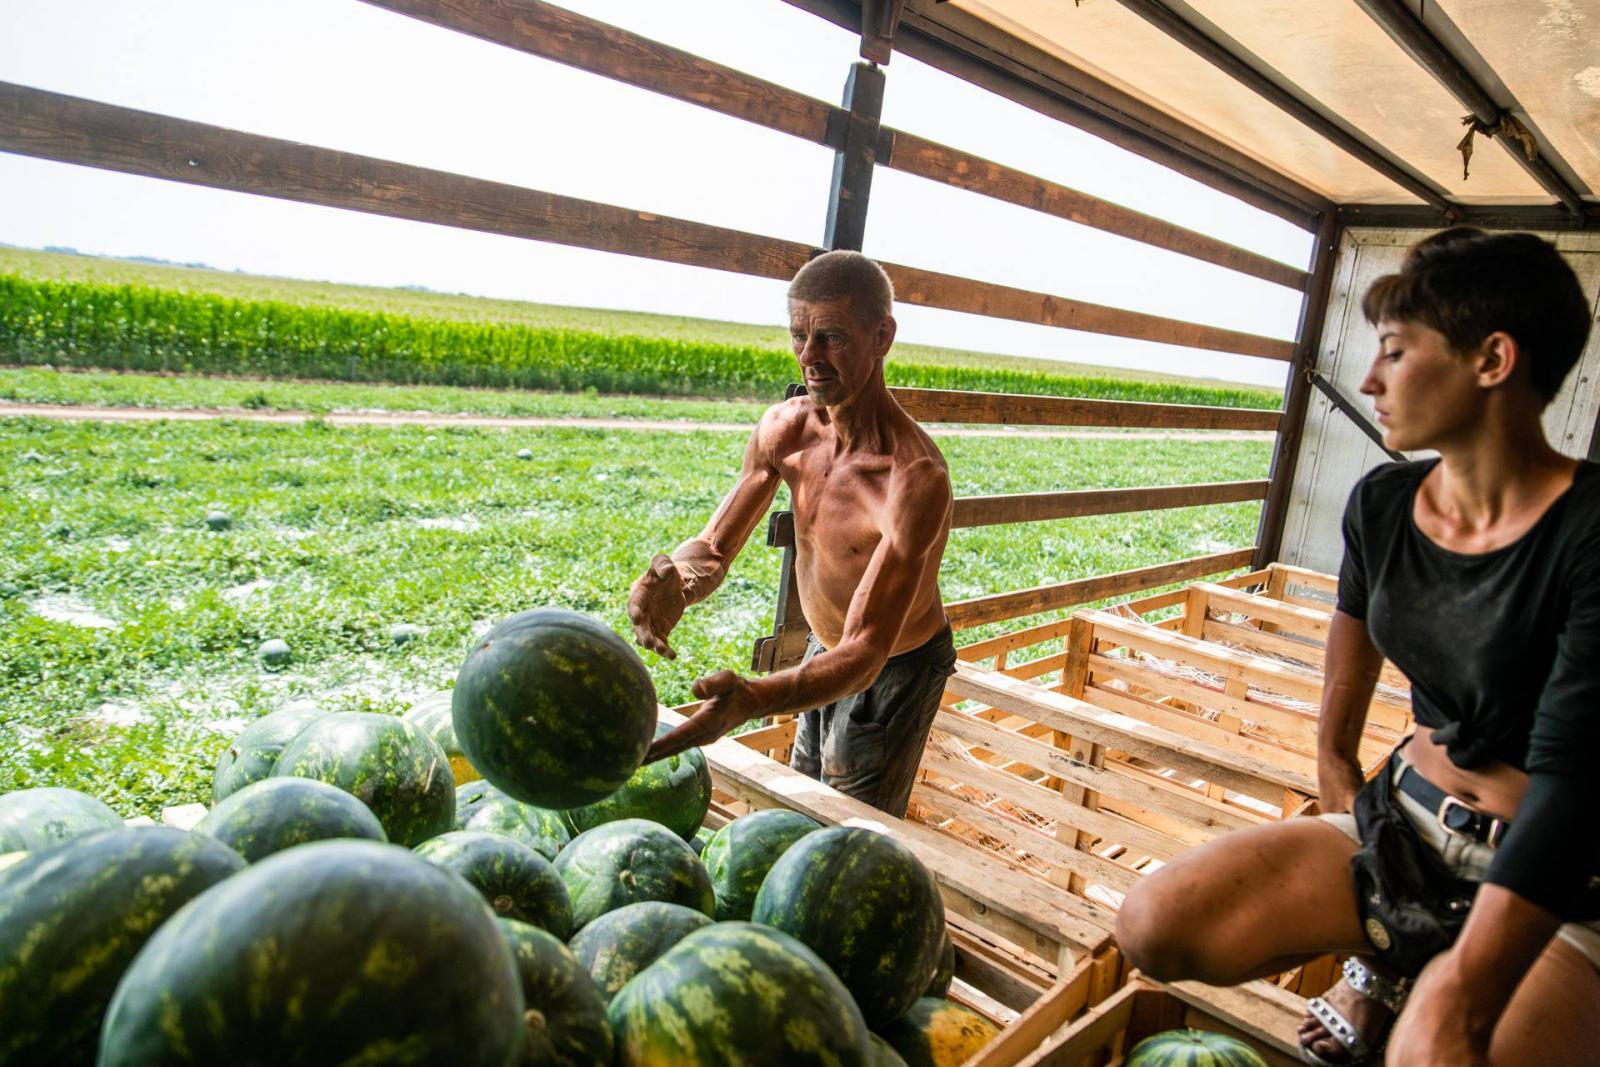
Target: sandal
{"x":1361,"y":978}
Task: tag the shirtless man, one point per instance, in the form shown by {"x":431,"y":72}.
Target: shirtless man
{"x":872,"y":502}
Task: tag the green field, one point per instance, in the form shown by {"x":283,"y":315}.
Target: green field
{"x":128,"y":631}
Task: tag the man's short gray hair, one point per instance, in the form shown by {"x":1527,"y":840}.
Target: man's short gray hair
{"x":843,"y":273}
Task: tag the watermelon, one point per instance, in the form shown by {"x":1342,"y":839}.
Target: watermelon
{"x":540,"y":829}
{"x":733,"y":994}
{"x":937,"y":1033}
{"x":554,"y":708}
{"x":627,"y":861}
{"x":700,"y":838}
{"x":883,"y":1053}
{"x":863,"y":902}
{"x":275,"y":654}
{"x":218,"y":520}
{"x":1193,"y":1048}
{"x":471,"y":796}
{"x":564,"y":1020}
{"x":675,"y":792}
{"x":48,"y":816}
{"x":946,"y":972}
{"x":278,"y":813}
{"x":739,"y":855}
{"x":71,"y":920}
{"x":388,"y":764}
{"x":621,"y":943}
{"x":432,"y":713}
{"x":346,"y":952}
{"x":255,"y":752}
{"x":517,"y":882}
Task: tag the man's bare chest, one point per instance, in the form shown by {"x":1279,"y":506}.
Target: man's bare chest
{"x":839,"y":506}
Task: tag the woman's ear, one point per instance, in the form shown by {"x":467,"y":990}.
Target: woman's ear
{"x":1497,"y":359}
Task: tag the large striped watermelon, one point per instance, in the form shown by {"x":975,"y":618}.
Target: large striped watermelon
{"x":32,"y":819}
{"x":946,"y":972}
{"x":628,"y":861}
{"x":621,"y":943}
{"x":1193,"y":1048}
{"x":554,"y":708}
{"x":675,"y":792}
{"x":541,"y":829}
{"x":517,"y":882}
{"x":346,"y":952}
{"x":255,"y":752}
{"x":388,"y":764}
{"x":739,"y":855}
{"x":863,"y":902}
{"x":71,"y":920}
{"x":735,"y":994}
{"x":564,"y":1019}
{"x":278,"y":813}
{"x":432,"y":713}
{"x":937,"y":1033}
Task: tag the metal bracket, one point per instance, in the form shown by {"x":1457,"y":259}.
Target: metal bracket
{"x":786,"y":645}
{"x":1351,"y":412}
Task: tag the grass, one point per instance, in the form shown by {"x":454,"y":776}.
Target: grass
{"x":128,"y":630}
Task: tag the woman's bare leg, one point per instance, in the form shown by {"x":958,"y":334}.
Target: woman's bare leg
{"x":1554,"y":1015}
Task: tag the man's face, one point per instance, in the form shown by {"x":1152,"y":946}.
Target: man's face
{"x":839,"y":354}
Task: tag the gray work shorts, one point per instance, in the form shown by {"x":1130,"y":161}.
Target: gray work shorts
{"x":870,"y":744}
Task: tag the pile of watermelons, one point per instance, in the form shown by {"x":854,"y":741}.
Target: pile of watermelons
{"x":357,"y":894}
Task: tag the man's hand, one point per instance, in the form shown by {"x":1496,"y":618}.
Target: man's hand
{"x":655,"y":605}
{"x":727,"y":703}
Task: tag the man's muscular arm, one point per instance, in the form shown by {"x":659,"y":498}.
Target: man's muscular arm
{"x":919,"y":509}
{"x":695,"y":569}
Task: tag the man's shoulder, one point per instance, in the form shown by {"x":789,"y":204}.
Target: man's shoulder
{"x":785,"y":424}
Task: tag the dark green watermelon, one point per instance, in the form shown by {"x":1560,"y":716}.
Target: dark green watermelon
{"x":621,"y":943}
{"x":554,"y":708}
{"x":937,"y":1033}
{"x":470,"y":796}
{"x":71,"y":920}
{"x":863,"y":902}
{"x":940,"y":986}
{"x":541,"y":829}
{"x":278,"y":813}
{"x":388,"y":764}
{"x":700,"y":838}
{"x":739,"y":855}
{"x":564,"y":1018}
{"x":432,"y":713}
{"x":32,"y":819}
{"x":1193,"y":1048}
{"x":336,"y":952}
{"x":628,"y":861}
{"x":883,"y":1053}
{"x":675,"y":792}
{"x":517,"y":882}
{"x":735,"y":994}
{"x":255,"y":752}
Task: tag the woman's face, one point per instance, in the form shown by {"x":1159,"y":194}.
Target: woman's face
{"x":1424,"y":394}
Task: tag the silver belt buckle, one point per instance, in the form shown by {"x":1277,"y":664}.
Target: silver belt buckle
{"x":1497,"y":827}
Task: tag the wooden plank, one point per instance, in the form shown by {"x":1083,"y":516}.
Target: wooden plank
{"x":1021,"y":409}
{"x":926,"y":159}
{"x":1326,"y":583}
{"x":769,"y":737}
{"x":1005,"y":643}
{"x":965,"y":614}
{"x":1258,"y":1008}
{"x":1044,"y":1017}
{"x":1145,"y":605}
{"x":1292,"y":723}
{"x":1036,"y":507}
{"x":1306,"y":622}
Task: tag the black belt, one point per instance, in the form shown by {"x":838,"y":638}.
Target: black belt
{"x":1453,"y":814}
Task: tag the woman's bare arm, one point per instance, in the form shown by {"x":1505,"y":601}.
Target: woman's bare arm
{"x":1348,"y":681}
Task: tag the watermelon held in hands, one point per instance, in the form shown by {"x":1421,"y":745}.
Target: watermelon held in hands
{"x":432,"y":714}
{"x":739,"y":855}
{"x":937,"y":1033}
{"x":736,"y":993}
{"x":675,"y":792}
{"x":517,"y":882}
{"x":33,"y":819}
{"x":624,"y":862}
{"x":864,"y":903}
{"x":388,"y":764}
{"x":1193,"y":1048}
{"x":333,"y":952}
{"x":254,"y":753}
{"x":71,"y":920}
{"x":621,"y":943}
{"x":564,"y":1017}
{"x":278,"y":813}
{"x":554,"y":708}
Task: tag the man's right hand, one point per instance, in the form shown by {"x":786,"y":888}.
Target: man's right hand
{"x":656,"y":604}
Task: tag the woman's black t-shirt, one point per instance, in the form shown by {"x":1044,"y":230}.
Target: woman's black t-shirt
{"x":1502,"y":649}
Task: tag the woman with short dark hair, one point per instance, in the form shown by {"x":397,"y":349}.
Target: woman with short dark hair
{"x":1464,"y":878}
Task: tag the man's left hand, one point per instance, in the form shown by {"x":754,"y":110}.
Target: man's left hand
{"x":727,"y":702}
{"x":1435,"y":1029}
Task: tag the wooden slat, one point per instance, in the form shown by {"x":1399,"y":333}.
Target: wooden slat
{"x":1293,"y":575}
{"x":1305,"y":622}
{"x":965,"y":614}
{"x":1274,"y":645}
{"x":1033,"y":635}
{"x":1293,"y":724}
{"x":926,"y":159}
{"x":1044,"y":1017}
{"x":1145,"y":605}
{"x":1037,"y":507}
{"x":1020,"y":409}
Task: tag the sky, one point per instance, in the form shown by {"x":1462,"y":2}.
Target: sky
{"x":343,"y":74}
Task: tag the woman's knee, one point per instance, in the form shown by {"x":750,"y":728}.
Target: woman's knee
{"x":1154,"y":934}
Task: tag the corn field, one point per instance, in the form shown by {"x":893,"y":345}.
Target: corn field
{"x":143,"y":328}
